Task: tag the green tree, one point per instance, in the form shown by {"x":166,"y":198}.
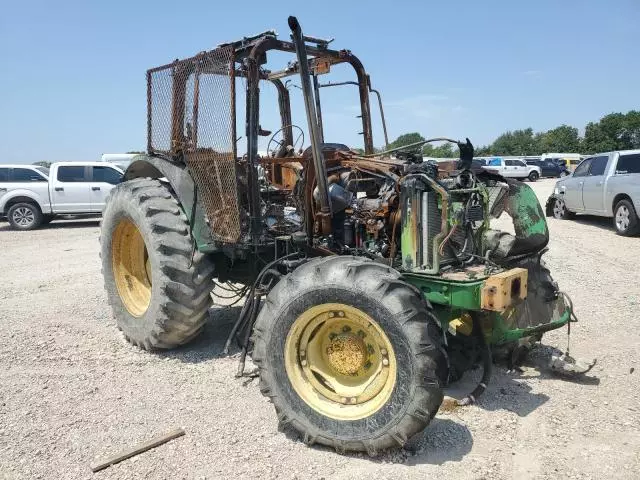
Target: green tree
{"x":482,"y":151}
{"x":446,"y":150}
{"x":42,"y":164}
{"x":516,"y":142}
{"x":560,"y":139}
{"x":616,"y":131}
{"x":406,"y":139}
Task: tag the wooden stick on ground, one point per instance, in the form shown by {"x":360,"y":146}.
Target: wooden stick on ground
{"x":141,"y":447}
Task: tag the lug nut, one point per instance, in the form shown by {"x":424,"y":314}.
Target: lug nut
{"x":344,"y":399}
{"x":341,"y":314}
{"x":385,"y":362}
{"x":303,"y":362}
{"x":383,"y":351}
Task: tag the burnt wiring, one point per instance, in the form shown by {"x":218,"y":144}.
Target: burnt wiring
{"x":250,"y":309}
{"x":446,"y":239}
{"x":237,"y":293}
{"x":258,"y":290}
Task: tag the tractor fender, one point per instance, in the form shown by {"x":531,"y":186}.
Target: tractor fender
{"x":178,"y":176}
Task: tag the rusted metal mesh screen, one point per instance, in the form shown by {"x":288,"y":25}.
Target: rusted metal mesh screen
{"x":192,"y":113}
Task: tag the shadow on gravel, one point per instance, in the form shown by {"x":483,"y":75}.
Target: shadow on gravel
{"x":506,"y":391}
{"x":94,"y":222}
{"x":510,"y":389}
{"x":600,"y":222}
{"x":210,"y":342}
{"x":442,"y":441}
{"x":539,"y":360}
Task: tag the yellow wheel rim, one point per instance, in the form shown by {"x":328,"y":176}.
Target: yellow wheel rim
{"x":131,"y":267}
{"x":340,"y":362}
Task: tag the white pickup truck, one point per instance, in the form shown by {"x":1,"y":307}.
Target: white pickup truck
{"x":514,"y":168}
{"x":607,"y":185}
{"x":32,"y":195}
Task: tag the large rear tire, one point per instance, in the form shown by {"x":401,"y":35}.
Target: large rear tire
{"x":350,"y":355}
{"x":157,"y":285}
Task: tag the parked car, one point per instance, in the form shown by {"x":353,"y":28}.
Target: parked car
{"x":31,"y":195}
{"x":570,"y":160}
{"x":514,"y":168}
{"x":551,"y":167}
{"x":607,"y":184}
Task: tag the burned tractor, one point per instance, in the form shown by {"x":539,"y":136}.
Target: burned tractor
{"x":370,"y":280}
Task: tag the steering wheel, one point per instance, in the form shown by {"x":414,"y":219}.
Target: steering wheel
{"x":279,"y":149}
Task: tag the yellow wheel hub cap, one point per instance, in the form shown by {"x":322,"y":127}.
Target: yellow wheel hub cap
{"x":131,"y":267}
{"x":340,"y":361}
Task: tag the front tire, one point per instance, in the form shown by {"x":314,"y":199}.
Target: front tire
{"x":560,"y":210}
{"x":533,"y":176}
{"x":625,"y":219}
{"x":24,"y":216}
{"x":350,"y":355}
{"x":157,"y":285}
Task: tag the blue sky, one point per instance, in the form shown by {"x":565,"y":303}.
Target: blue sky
{"x":73,"y":83}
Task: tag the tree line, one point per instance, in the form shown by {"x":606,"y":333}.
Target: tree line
{"x":616,"y":131}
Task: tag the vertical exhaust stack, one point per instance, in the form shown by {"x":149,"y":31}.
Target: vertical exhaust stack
{"x":312,"y":119}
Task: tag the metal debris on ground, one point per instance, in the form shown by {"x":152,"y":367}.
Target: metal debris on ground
{"x":140,"y":448}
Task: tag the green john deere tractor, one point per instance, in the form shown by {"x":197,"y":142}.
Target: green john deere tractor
{"x":370,"y":280}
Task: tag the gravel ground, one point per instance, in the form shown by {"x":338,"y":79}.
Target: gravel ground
{"x":72,"y":390}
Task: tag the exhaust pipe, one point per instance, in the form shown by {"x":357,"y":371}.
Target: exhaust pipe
{"x":312,"y":119}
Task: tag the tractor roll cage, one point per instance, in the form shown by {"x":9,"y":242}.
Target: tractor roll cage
{"x":254,"y":50}
{"x":186,"y":126}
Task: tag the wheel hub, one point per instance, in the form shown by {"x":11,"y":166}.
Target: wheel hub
{"x":622,"y":218}
{"x":131,"y":267}
{"x":23,"y":216}
{"x":339,"y":361}
{"x":347,"y":353}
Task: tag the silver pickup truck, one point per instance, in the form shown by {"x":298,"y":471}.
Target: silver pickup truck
{"x":606,"y":184}
{"x":31,"y":196}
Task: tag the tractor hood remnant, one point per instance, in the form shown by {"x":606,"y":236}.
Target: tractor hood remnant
{"x":529,"y":223}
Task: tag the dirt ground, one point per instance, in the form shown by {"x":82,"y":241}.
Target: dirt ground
{"x":72,"y":390}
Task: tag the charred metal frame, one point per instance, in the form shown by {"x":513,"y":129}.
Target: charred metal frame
{"x":372,"y":90}
{"x":248,"y":56}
